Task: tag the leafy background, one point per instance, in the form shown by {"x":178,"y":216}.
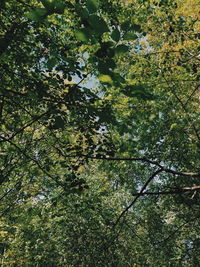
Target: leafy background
{"x":99,"y":141}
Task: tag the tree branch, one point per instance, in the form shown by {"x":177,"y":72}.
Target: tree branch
{"x":138,"y":195}
{"x":25,"y":126}
{"x":175,"y":191}
{"x":10,"y":190}
{"x":33,"y":160}
{"x":10,"y":34}
{"x":193,"y":92}
{"x":155,"y":163}
{"x":182,"y":105}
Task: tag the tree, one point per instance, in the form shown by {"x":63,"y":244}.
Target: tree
{"x":99,"y":110}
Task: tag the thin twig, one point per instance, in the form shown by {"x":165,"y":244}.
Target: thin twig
{"x":176,"y":191}
{"x":136,"y":198}
{"x":33,"y":160}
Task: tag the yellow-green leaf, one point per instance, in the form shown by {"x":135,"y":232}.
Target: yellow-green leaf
{"x":105,"y":79}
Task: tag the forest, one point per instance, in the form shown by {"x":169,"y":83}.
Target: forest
{"x":99,"y":133}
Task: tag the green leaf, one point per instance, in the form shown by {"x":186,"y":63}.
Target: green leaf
{"x":137,"y":90}
{"x":2,"y":4}
{"x":152,"y":117}
{"x":83,"y":35}
{"x":121,"y":49}
{"x":58,"y":123}
{"x":130,"y":36}
{"x":125,"y":25}
{"x":37,"y":15}
{"x":92,"y":6}
{"x":105,"y":79}
{"x":103,"y":68}
{"x":136,"y":27}
{"x":115,"y":35}
{"x":56,"y":6}
{"x":83,"y":13}
{"x":118,"y":78}
{"x":98,"y":24}
{"x":51,"y":63}
{"x":59,"y":7}
{"x":173,"y":126}
{"x":48,"y":5}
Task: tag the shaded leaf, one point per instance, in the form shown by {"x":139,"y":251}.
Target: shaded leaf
{"x":103,"y":67}
{"x":51,"y":63}
{"x":118,"y":78}
{"x":49,"y":5}
{"x":115,"y":35}
{"x":125,"y":25}
{"x":56,"y":6}
{"x":137,"y":90}
{"x":37,"y":15}
{"x":92,"y":5}
{"x":121,"y":49}
{"x":83,"y":13}
{"x":59,"y":6}
{"x":136,"y":27}
{"x":130,"y":36}
{"x":83,"y":35}
{"x":98,"y":24}
{"x":59,"y":123}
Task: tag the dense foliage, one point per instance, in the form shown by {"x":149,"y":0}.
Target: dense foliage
{"x":99,"y":133}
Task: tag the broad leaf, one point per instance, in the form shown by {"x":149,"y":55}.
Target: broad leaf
{"x":105,"y":79}
{"x":138,"y":91}
{"x":92,"y":5}
{"x":37,"y":15}
{"x":58,"y":123}
{"x":98,"y":24}
{"x":136,"y":27}
{"x":56,"y":6}
{"x":130,"y":36}
{"x":115,"y":35}
{"x":121,"y":49}
{"x":51,"y":63}
{"x":125,"y":25}
{"x":83,"y":35}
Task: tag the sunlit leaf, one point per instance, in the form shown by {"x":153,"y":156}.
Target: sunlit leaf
{"x":105,"y":79}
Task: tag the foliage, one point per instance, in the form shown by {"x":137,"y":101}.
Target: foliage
{"x":99,"y":142}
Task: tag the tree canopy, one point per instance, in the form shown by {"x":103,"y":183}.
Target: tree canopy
{"x":99,"y":133}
